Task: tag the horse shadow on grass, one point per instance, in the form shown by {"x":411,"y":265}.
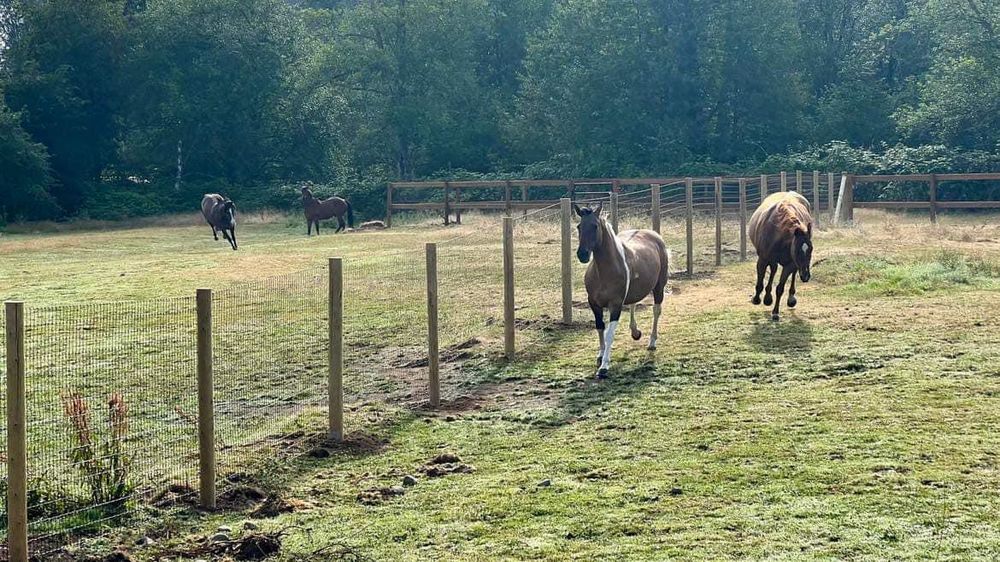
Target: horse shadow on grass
{"x":791,"y":336}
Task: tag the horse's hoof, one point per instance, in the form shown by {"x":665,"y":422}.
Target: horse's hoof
{"x":768,"y":300}
{"x":636,"y":335}
{"x":651,"y":347}
{"x":755,"y":300}
{"x":775,"y":316}
{"x":602,"y":374}
{"x":792,"y":302}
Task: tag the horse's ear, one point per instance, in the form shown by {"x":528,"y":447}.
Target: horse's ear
{"x":599,"y":209}
{"x":809,"y":230}
{"x":576,"y":209}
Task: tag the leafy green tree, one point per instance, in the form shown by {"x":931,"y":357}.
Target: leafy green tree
{"x":62,"y":72}
{"x":25,"y":180}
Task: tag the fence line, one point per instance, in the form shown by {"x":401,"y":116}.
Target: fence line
{"x":105,"y":378}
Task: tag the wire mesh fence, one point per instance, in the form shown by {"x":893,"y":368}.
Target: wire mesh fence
{"x":111,"y":388}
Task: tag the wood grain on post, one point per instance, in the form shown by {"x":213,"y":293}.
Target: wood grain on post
{"x":798,"y":182}
{"x":524,"y":198}
{"x":567,"y":260}
{"x":743,"y":219}
{"x":388,"y":206}
{"x":933,"y":185}
{"x":506,"y":197}
{"x":614,"y":211}
{"x":784,"y":181}
{"x":831,"y":178}
{"x":206,"y":404}
{"x":508,"y":288}
{"x":17,"y":454}
{"x":433,"y":353}
{"x":718,"y":221}
{"x":655,"y":213}
{"x":689,"y":200}
{"x":335,"y":384}
{"x":816,"y":197}
{"x":763,"y":187}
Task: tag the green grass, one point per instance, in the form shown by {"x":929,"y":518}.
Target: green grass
{"x":861,"y":426}
{"x":914,"y":275}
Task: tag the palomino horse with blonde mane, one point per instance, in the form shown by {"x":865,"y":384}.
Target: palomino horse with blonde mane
{"x":627,"y":267}
{"x":781,"y":231}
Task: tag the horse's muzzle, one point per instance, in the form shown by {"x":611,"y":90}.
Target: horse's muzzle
{"x":583,"y":255}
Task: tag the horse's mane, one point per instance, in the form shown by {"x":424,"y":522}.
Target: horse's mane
{"x":787,"y":218}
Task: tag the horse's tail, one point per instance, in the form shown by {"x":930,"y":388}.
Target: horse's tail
{"x":350,"y":214}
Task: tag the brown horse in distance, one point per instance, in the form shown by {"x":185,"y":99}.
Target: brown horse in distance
{"x":320,"y":210}
{"x":627,"y":267}
{"x":220,"y":213}
{"x":781,"y":231}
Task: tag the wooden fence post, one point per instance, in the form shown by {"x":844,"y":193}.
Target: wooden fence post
{"x":933,"y":185}
{"x":508,"y":287}
{"x":689,"y":200}
{"x":206,"y":406}
{"x":784,"y":181}
{"x":447,"y":204}
{"x":388,"y":206}
{"x":798,"y":182}
{"x":816,"y":212}
{"x":655,"y":213}
{"x":831,"y":179}
{"x":335,"y":384}
{"x":849,"y":199}
{"x":524,"y":198}
{"x":458,"y":210}
{"x":614,"y":211}
{"x":567,"y":260}
{"x":763,"y":187}
{"x":718,"y":221}
{"x":743,"y":219}
{"x":433,"y":354}
{"x":506,"y":197}
{"x":17,"y":455}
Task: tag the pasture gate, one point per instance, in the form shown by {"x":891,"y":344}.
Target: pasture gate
{"x":129,"y":409}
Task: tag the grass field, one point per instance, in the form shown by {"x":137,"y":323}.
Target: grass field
{"x":861,"y":426}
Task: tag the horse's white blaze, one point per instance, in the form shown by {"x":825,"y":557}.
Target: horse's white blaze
{"x":609,"y":339}
{"x":805,"y":247}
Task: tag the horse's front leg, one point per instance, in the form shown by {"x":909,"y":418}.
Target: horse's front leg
{"x":232,"y":238}
{"x":761,"y":271}
{"x":609,"y":340}
{"x":770,"y":283}
{"x":780,"y":290}
{"x":599,"y":324}
{"x":792,"y":301}
{"x":309,"y":228}
{"x":636,"y":333}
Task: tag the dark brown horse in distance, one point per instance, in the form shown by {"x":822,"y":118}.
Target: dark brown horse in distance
{"x":320,"y":210}
{"x":627,"y":267}
{"x":781,"y":231}
{"x":220,"y":213}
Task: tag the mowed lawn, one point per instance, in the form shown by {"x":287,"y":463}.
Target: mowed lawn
{"x":863,"y":425}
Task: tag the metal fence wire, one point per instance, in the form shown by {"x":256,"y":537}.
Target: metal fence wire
{"x":111,"y":388}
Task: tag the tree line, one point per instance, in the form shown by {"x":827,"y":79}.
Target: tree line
{"x":112,"y":108}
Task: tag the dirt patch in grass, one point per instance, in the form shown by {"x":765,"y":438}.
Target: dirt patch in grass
{"x":445,"y":464}
{"x":376,"y":496}
{"x":253,"y":546}
{"x":522,"y":395}
{"x":276,"y":505}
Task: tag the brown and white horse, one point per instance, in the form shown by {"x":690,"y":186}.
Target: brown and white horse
{"x":627,"y":267}
{"x":781,"y":231}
